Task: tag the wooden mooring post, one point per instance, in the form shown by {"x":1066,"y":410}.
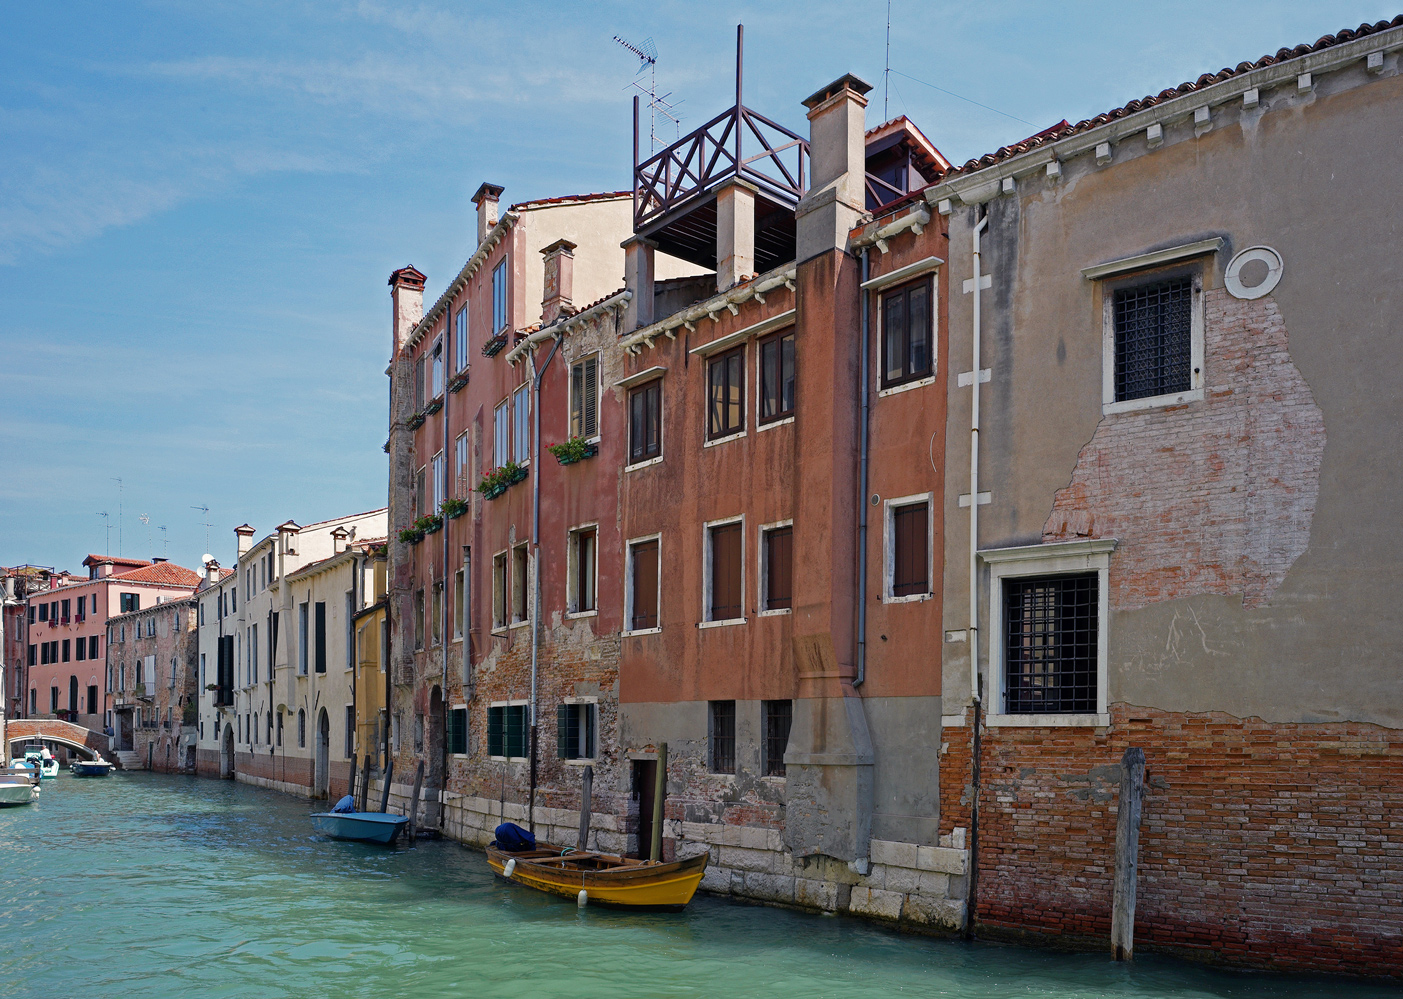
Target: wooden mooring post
{"x":385,"y":791}
{"x":1132,"y":789}
{"x":414,"y":801}
{"x":364,"y":784}
{"x":659,"y":790}
{"x":586,"y":792}
{"x":351,"y":781}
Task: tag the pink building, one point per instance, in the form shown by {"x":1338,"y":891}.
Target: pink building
{"x":66,"y":632}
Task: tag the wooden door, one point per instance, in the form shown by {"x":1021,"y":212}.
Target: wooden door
{"x":645,"y":776}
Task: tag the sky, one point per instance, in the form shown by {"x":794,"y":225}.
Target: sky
{"x":201,"y":203}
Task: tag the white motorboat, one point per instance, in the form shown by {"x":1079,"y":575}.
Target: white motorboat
{"x":43,"y":760}
{"x":18,"y":787}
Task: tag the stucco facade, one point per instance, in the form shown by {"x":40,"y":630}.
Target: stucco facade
{"x":152,"y":675}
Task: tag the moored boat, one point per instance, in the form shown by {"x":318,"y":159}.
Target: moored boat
{"x":367,"y":827}
{"x":43,"y":761}
{"x":18,"y":786}
{"x":90,"y":768}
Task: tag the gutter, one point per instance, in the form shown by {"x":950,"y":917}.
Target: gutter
{"x":711,"y":308}
{"x":865,"y":396}
{"x":536,"y":563}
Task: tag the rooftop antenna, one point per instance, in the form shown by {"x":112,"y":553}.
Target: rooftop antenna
{"x":886,"y":73}
{"x":104,"y":515}
{"x":165,"y":541}
{"x":119,"y":517}
{"x":658,"y":105}
{"x":145,"y":518}
{"x":206,"y":522}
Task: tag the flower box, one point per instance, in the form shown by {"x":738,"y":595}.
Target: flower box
{"x":453,"y":508}
{"x":457,"y":381}
{"x":573,"y":450}
{"x":411,"y":536}
{"x":434,"y":406}
{"x":497,"y":481}
{"x":494,"y":346}
{"x":416,"y":421}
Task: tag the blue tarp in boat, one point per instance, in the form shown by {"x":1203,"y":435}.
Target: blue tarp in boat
{"x":514,"y":839}
{"x":346,"y":804}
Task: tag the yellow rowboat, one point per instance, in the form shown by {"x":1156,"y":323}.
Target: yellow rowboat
{"x":601,"y":878}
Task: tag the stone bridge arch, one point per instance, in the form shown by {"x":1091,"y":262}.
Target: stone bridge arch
{"x":23,"y":730}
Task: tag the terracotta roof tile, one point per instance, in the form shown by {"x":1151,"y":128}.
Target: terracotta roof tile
{"x":162,"y":573}
{"x":564,"y":198}
{"x":1062,"y":130}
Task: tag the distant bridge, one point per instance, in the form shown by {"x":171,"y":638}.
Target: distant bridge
{"x":20,"y":731}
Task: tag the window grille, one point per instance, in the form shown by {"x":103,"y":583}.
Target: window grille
{"x":574,"y":729}
{"x":779,"y":716}
{"x":458,"y":731}
{"x":506,"y":730}
{"x":1153,"y":330}
{"x":723,"y":737}
{"x":1050,"y":644}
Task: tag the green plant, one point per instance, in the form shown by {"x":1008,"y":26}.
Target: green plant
{"x":411,"y":536}
{"x":495,"y":482}
{"x":453,"y":507}
{"x":429,"y":523}
{"x":575,"y":449}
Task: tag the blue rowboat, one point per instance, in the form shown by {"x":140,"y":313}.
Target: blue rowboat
{"x":90,"y":768}
{"x":368,"y":827}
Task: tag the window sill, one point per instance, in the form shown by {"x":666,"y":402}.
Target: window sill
{"x":643,"y":464}
{"x":906,"y":387}
{"x":583,"y":761}
{"x":723,"y":440}
{"x":775,"y":778}
{"x":913,"y":598}
{"x":460,"y":756}
{"x":642,"y":631}
{"x":1152,"y":402}
{"x":1048,"y":721}
{"x":519,"y":624}
{"x":777,"y":612}
{"x":500,"y":631}
{"x":511,"y":759}
{"x":576,"y":615}
{"x":725,"y":623}
{"x":761,"y":427}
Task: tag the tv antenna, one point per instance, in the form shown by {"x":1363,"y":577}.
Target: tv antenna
{"x":145,"y":518}
{"x":659,"y":106}
{"x":165,"y":541}
{"x":886,"y":73}
{"x":206,"y":522}
{"x":104,"y":515}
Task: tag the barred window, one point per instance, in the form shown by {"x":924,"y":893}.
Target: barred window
{"x":723,"y":737}
{"x":1050,"y":644}
{"x":779,"y":715}
{"x":1154,"y":344}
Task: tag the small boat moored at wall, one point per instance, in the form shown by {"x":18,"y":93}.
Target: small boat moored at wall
{"x":19,"y":785}
{"x":90,"y":768}
{"x":343,"y":822}
{"x":43,"y":760}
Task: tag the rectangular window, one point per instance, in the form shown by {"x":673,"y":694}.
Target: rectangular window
{"x":584,"y":397}
{"x":421,"y":496}
{"x":726,"y":394}
{"x":907,"y":338}
{"x":1051,"y":632}
{"x":350,"y":630}
{"x":520,"y":588}
{"x":910,"y":565}
{"x":436,"y":615}
{"x":43,"y":653}
{"x":501,"y":435}
{"x":418,"y":619}
{"x":777,"y":377}
{"x":645,"y":422}
{"x":506,"y":731}
{"x":499,"y":298}
{"x":458,"y":731}
{"x":127,"y":602}
{"x":440,"y":482}
{"x":44,"y":608}
{"x":643,"y":585}
{"x":723,"y":737}
{"x":92,"y":646}
{"x":778,"y":553}
{"x":67,"y":610}
{"x":81,"y":652}
{"x":458,"y":593}
{"x":574,"y":731}
{"x":319,"y":645}
{"x":725,"y":589}
{"x":419,"y":384}
{"x":92,"y":698}
{"x":350,"y":730}
{"x":67,"y":649}
{"x":583,"y":566}
{"x":436,"y":371}
{"x":33,"y":655}
{"x":779,"y":715}
{"x":1153,"y":339}
{"x":460,"y":340}
{"x":499,"y":591}
{"x":303,"y":626}
{"x":460,"y":465}
{"x":521,"y":425}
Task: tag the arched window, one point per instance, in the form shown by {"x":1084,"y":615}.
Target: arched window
{"x":301,"y":728}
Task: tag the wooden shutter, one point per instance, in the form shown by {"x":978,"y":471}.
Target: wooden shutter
{"x":321,"y":636}
{"x":645,"y":585}
{"x":496,"y":731}
{"x":909,"y":575}
{"x":726,"y":572}
{"x":779,"y":568}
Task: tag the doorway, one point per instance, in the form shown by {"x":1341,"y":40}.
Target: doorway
{"x":433,"y":750}
{"x":226,"y":754}
{"x":125,"y":730}
{"x":645,"y":776}
{"x":321,"y":778}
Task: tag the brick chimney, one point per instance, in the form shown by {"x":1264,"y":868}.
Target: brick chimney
{"x":638,"y":278}
{"x":837,"y":164}
{"x":560,"y":281}
{"x":245,"y":535}
{"x":407,"y":302}
{"x":486,"y":201}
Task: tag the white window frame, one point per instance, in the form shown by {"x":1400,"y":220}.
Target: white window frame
{"x":1056,"y":558}
{"x":585,"y":761}
{"x":628,"y":584}
{"x":519,"y":703}
{"x":502,"y":433}
{"x":598,"y":394}
{"x":889,"y":548}
{"x":525,"y":620}
{"x":760,"y":426}
{"x":706,"y":620}
{"x":459,"y":610}
{"x":1109,"y":286}
{"x":461,"y":460}
{"x":500,"y":627}
{"x":902,"y":277}
{"x":762,"y":571}
{"x":438,"y":367}
{"x":460,"y":339}
{"x":711,"y":358}
{"x":521,"y":424}
{"x":440,"y":484}
{"x":628,"y":385}
{"x":572,"y":558}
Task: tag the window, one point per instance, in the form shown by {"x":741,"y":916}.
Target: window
{"x":1050,"y":636}
{"x":302,"y":636}
{"x":723,"y":737}
{"x":521,"y":425}
{"x":202,"y":613}
{"x":202,"y":670}
{"x":582,"y":558}
{"x":458,"y":603}
{"x":645,"y":423}
{"x":350,"y":732}
{"x":520,"y":572}
{"x":907,"y":341}
{"x":67,"y":610}
{"x":440,"y":482}
{"x":584,"y":397}
{"x":127,"y":602}
{"x":908,"y":552}
{"x":506,"y":731}
{"x":457,"y":733}
{"x":92,"y":646}
{"x":724,"y":582}
{"x":436,"y":615}
{"x":574,"y":731}
{"x":419,"y":384}
{"x":460,"y":340}
{"x":726,"y":394}
{"x":499,"y":591}
{"x":92,"y":699}
{"x":436,"y":371}
{"x":643,"y":585}
{"x":171,"y":684}
{"x":53,"y":700}
{"x":418,"y":619}
{"x":1153,"y":339}
{"x":280,"y":728}
{"x":779,"y":715}
{"x":81,"y":652}
{"x":460,"y":465}
{"x":777,"y":377}
{"x":67,"y":649}
{"x":319,"y":646}
{"x":777,"y":567}
{"x":33,"y":655}
{"x":499,"y":298}
{"x":43,"y":653}
{"x":32,"y":611}
{"x":501,"y":435}
{"x":252,"y":672}
{"x":301,"y":728}
{"x":421,"y":497}
{"x":80,"y":609}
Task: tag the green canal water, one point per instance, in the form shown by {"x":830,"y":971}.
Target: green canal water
{"x":142,"y":885}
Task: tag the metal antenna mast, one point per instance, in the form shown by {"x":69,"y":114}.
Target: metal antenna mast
{"x":886,"y":73}
{"x":206,"y":522}
{"x":119,"y":517}
{"x":145,"y":518}
{"x":658,"y":106}
{"x":108,"y":520}
{"x":165,"y":541}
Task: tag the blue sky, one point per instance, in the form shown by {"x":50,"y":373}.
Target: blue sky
{"x":200,"y":203}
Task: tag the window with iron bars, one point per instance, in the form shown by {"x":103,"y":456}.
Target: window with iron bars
{"x":1050,"y":644}
{"x":1154,"y":339}
{"x":779,"y":716}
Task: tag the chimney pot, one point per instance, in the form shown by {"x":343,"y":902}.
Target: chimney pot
{"x":838,"y":165}
{"x":559,"y":282}
{"x":245,"y":535}
{"x":486,"y":200}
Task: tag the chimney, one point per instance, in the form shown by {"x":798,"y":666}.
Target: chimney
{"x":212,"y":571}
{"x":245,"y":536}
{"x":104,"y":569}
{"x":338,"y":540}
{"x":735,"y":232}
{"x":638,"y":278}
{"x":560,"y":281}
{"x":837,"y":165}
{"x":287,"y":537}
{"x":486,"y":201}
{"x":407,"y":302}
{"x":155,"y":559}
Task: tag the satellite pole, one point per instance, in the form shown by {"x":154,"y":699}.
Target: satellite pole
{"x":104,"y":515}
{"x":206,"y":523}
{"x":119,"y":517}
{"x":165,"y":541}
{"x":658,"y":106}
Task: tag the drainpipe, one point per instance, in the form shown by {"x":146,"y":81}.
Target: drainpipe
{"x":865,"y":395}
{"x":536,"y":560}
{"x":443,"y":602}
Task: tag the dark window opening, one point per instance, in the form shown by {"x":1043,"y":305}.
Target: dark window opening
{"x":645,"y":408}
{"x":776,"y":378}
{"x":1050,"y":644}
{"x":907,"y":337}
{"x":1153,"y":328}
{"x":779,"y":716}
{"x":723,"y":737}
{"x":458,"y":730}
{"x":910,"y":555}
{"x":726,"y":394}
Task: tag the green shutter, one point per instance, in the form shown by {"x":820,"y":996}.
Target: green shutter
{"x":562,"y":737}
{"x":516,"y":731}
{"x":496,"y":732}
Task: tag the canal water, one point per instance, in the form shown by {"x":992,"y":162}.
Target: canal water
{"x":152,"y":886}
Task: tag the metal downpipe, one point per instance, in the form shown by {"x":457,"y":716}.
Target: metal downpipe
{"x":536,"y":561}
{"x":865,"y":397}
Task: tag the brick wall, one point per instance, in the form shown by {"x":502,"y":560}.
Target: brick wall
{"x":1264,"y":844}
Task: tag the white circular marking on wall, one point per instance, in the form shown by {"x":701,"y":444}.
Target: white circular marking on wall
{"x":1233,"y":277}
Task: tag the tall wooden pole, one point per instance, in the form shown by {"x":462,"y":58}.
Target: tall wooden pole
{"x":351,"y":780}
{"x":385,"y":791}
{"x":659,"y":789}
{"x":414,"y":801}
{"x":586,"y":792}
{"x":1132,"y":784}
{"x":365,"y":783}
